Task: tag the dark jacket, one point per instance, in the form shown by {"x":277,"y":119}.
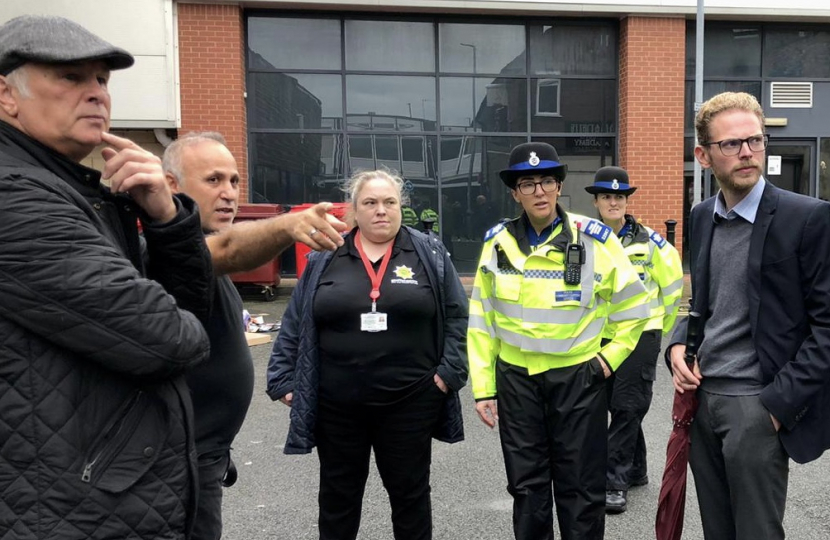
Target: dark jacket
{"x":789,"y":310}
{"x":295,"y":364}
{"x":95,"y":426}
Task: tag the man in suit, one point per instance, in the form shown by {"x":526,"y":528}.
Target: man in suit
{"x":760,"y":263}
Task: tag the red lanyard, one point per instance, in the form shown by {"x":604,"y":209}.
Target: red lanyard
{"x":374,"y":277}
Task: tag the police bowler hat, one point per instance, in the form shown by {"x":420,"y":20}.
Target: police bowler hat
{"x":54,"y":40}
{"x":532,"y":158}
{"x":611,"y":180}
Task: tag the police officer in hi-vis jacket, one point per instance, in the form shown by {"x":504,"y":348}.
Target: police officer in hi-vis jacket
{"x":630,"y":388}
{"x":547,"y":284}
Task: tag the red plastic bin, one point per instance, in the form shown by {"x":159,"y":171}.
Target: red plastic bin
{"x":301,"y":250}
{"x":266,"y":276}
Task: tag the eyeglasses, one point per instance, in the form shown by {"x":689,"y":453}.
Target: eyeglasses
{"x":732,"y":147}
{"x":548,"y":183}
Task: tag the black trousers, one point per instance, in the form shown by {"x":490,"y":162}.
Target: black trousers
{"x":741,"y":469}
{"x":401,"y":437}
{"x":630,"y":390}
{"x":553,"y":429}
{"x":212,"y":470}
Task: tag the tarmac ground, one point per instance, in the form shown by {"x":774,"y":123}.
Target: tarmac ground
{"x":276,"y":495}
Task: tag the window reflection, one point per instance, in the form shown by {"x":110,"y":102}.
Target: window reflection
{"x":583,"y":155}
{"x":730,"y":51}
{"x":294,"y":43}
{"x":574,"y":106}
{"x":797,"y":53}
{"x":294,"y":101}
{"x":389,"y":46}
{"x":573,"y":50}
{"x":498,"y":105}
{"x":295,"y":168}
{"x":391,"y":119}
{"x":412,"y":156}
{"x":390,"y":102}
{"x":482,"y":48}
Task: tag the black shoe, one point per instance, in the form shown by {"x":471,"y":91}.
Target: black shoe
{"x":615,"y":501}
{"x":641,"y":481}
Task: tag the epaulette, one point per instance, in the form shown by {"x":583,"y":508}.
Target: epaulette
{"x":657,"y":239}
{"x":597,"y":229}
{"x":493,"y":231}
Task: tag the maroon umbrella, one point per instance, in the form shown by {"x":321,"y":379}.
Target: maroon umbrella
{"x":672,"y":501}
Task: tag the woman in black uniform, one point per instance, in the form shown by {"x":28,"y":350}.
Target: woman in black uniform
{"x":370,"y":356}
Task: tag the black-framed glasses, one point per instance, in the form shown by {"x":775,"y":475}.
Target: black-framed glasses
{"x":732,"y":147}
{"x":528,"y":187}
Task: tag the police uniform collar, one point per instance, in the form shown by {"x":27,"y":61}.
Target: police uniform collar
{"x":518,"y":229}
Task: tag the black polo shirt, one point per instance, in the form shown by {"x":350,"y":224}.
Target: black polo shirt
{"x":375,"y":368}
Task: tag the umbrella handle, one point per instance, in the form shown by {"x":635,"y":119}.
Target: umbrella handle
{"x":694,"y":335}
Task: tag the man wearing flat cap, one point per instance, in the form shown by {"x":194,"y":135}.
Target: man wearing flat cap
{"x":547,"y":284}
{"x":630,"y":388}
{"x":96,"y":422}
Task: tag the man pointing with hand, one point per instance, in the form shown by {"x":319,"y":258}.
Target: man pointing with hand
{"x":201,"y":166}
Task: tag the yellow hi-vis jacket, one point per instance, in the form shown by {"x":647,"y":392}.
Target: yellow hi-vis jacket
{"x":524,"y":313}
{"x":660,"y":269}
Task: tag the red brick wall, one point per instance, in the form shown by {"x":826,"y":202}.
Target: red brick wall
{"x":212,"y":70}
{"x":652,"y":75}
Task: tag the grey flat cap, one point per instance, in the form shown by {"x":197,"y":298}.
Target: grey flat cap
{"x":54,"y":40}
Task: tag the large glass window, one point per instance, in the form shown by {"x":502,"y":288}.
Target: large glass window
{"x":482,"y":48}
{"x":328,"y":96}
{"x":389,"y":46}
{"x":582,"y":49}
{"x":294,"y":168}
{"x":729,"y":50}
{"x":378,"y":101}
{"x":573,"y":106}
{"x":798,"y":52}
{"x":294,"y":100}
{"x":484,"y":104}
{"x":287,"y":43}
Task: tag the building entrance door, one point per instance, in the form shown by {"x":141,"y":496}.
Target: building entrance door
{"x":795,"y":172}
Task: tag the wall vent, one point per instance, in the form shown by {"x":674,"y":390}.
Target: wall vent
{"x":791,"y":95}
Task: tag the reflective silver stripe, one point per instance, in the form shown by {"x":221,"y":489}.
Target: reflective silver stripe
{"x":551,"y":315}
{"x":630,"y":291}
{"x":477,"y":322}
{"x":637,"y":312}
{"x":669,"y":289}
{"x":550,"y":346}
{"x":487,"y":303}
{"x":655,"y":303}
{"x":476,"y":294}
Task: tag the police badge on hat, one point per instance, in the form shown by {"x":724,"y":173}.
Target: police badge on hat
{"x":611,"y":180}
{"x":533,"y":160}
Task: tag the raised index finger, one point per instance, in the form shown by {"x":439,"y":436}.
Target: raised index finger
{"x":117,"y":142}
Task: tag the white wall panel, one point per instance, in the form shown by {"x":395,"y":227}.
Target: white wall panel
{"x":145,"y":95}
{"x":767,"y":9}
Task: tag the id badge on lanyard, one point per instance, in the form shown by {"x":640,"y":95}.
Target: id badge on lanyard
{"x":374,"y":321}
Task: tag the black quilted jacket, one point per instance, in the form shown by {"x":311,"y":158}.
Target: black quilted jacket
{"x":95,"y":428}
{"x":295,"y":365}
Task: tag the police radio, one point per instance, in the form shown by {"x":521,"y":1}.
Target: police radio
{"x":574,"y":259}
